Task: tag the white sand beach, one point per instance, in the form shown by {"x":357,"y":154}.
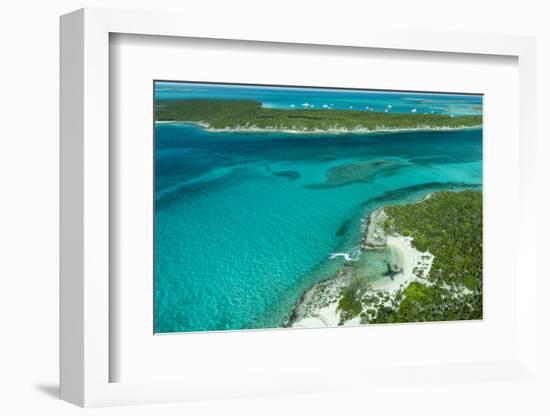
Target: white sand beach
{"x":331,"y":130}
{"x":338,"y":130}
{"x":409,"y":259}
{"x":324,"y":316}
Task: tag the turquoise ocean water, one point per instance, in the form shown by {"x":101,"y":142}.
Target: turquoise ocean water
{"x":326,"y":99}
{"x":245,"y":222}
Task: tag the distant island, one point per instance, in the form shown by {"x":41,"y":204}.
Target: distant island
{"x":250,"y":115}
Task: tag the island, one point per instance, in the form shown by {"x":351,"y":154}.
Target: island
{"x":250,"y":115}
{"x":437,"y":275}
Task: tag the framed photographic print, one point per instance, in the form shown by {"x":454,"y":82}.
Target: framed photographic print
{"x":246,"y":215}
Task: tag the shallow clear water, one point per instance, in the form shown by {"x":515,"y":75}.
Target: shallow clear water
{"x":245,"y":222}
{"x":326,"y":99}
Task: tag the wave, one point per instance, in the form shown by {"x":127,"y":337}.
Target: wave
{"x":353,"y":255}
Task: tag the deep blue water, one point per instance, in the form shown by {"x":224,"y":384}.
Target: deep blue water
{"x":245,"y":222}
{"x":325,"y":99}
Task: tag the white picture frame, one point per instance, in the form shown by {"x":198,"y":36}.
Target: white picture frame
{"x":85,"y":186}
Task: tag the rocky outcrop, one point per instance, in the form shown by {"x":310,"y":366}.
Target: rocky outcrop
{"x":375,"y":235}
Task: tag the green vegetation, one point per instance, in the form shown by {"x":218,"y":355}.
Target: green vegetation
{"x":448,"y":225}
{"x":350,"y":304}
{"x":242,"y":114}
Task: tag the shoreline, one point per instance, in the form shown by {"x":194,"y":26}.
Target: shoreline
{"x":420,"y":238}
{"x":319,"y":305}
{"x":380,"y":129}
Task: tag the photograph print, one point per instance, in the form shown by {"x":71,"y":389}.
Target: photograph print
{"x":302,"y":207}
